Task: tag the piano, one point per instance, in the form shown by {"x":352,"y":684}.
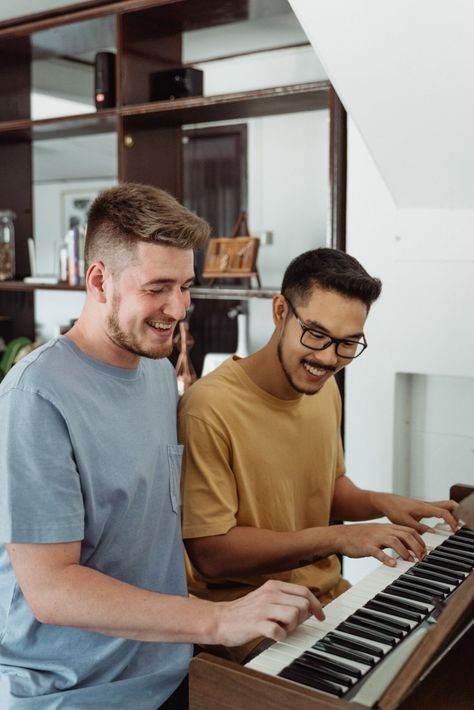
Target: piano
{"x":401,"y":638}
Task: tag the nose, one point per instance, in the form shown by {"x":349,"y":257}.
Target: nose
{"x":328,"y":356}
{"x":177,"y":304}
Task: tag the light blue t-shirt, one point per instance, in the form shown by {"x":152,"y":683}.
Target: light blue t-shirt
{"x":89,"y":452}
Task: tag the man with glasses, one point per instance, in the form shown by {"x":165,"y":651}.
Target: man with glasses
{"x":263,"y":470}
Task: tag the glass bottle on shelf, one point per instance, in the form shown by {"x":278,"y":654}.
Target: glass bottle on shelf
{"x":7,"y":245}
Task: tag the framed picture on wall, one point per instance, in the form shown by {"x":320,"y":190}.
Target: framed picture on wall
{"x":75,"y":206}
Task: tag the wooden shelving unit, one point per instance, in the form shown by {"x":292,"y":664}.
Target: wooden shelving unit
{"x":148,"y":37}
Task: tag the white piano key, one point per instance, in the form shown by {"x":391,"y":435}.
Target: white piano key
{"x":265,"y":664}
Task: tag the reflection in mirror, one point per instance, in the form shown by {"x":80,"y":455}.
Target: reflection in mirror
{"x":63,"y":67}
{"x":64,"y":168}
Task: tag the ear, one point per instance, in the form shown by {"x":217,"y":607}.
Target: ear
{"x":279,"y":310}
{"x":96,"y":277}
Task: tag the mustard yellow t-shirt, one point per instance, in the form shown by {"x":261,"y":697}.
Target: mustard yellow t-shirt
{"x":252,"y":459}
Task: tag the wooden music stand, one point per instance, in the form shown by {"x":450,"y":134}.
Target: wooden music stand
{"x":233,"y":257}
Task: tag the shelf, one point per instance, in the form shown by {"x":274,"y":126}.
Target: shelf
{"x":198,"y":292}
{"x":104,"y":121}
{"x":217,"y":293}
{"x":22,"y":286}
{"x":243,"y":104}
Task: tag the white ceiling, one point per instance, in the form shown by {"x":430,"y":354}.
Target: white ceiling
{"x":404,"y":70}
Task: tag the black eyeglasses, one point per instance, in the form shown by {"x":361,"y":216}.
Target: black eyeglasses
{"x":347,"y":348}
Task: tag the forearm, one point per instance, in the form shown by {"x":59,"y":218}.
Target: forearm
{"x":353,"y":504}
{"x":87,"y":599}
{"x":246,"y":550}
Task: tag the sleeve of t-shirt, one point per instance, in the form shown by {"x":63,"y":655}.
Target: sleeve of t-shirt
{"x":209,"y":494}
{"x":40,"y":491}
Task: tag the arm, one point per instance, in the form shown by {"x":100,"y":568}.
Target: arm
{"x":353,"y":503}
{"x":221,"y":549}
{"x":245,"y":550}
{"x":60,"y":591}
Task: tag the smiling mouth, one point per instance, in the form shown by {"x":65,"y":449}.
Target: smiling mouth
{"x":160,"y":325}
{"x":316,"y":371}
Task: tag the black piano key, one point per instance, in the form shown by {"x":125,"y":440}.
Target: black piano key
{"x":441,"y":590}
{"x":401,"y":604}
{"x":465,"y":533}
{"x":317,"y":669}
{"x":400,"y":590}
{"x":465,"y":547}
{"x":393,"y":610}
{"x":427,"y":573}
{"x":336,"y":649}
{"x":333,"y":665}
{"x":354,"y":630}
{"x":375,"y":625}
{"x":439,"y":559}
{"x":429,"y":576}
{"x":441,"y":576}
{"x":456,"y":555}
{"x":356,"y":645}
{"x":396,"y":624}
{"x":317,"y":683}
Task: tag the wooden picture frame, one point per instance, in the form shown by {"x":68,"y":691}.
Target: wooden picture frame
{"x":234,"y":256}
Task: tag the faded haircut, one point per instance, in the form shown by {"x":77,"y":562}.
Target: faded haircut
{"x":129,"y":213}
{"x":331,"y":270}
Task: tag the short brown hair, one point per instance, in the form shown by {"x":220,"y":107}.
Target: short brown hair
{"x":129,"y":213}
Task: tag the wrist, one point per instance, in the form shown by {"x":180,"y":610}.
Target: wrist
{"x":380,"y":503}
{"x":337,"y":535}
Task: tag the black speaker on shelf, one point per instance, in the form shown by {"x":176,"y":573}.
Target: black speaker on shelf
{"x":104,"y":89}
{"x":176,"y":83}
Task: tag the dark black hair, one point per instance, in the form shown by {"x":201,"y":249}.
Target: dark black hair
{"x":332,"y":270}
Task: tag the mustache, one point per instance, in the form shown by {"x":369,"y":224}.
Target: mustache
{"x":315,"y":363}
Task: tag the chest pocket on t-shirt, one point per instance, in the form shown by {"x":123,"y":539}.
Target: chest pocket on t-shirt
{"x":175,"y":456}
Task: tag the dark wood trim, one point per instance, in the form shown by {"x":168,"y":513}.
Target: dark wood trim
{"x":459,"y":491}
{"x":338,"y":196}
{"x":36,"y":22}
{"x":337,"y":171}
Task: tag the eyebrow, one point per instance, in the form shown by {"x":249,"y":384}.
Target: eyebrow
{"x":315,"y":325}
{"x":161,"y":282}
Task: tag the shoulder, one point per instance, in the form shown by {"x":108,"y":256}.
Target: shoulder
{"x":217,"y":387}
{"x":34,"y":370}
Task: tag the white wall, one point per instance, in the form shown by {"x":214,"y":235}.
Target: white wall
{"x":421,"y":324}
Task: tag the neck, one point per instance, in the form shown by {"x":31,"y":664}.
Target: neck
{"x":90,"y":336}
{"x":265,"y":370}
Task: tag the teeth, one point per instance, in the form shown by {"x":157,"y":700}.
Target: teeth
{"x":159,"y":325}
{"x":314,"y":370}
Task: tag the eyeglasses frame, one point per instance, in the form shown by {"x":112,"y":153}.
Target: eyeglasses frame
{"x":332,"y":341}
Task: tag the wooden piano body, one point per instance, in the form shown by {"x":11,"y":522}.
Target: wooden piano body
{"x":439,"y":675}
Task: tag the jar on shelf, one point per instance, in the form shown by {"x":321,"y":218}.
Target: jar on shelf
{"x":7,"y":245}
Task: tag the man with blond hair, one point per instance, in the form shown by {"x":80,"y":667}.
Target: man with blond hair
{"x":94,"y":609}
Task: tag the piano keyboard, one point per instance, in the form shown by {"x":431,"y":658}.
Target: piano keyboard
{"x":372,"y":619}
